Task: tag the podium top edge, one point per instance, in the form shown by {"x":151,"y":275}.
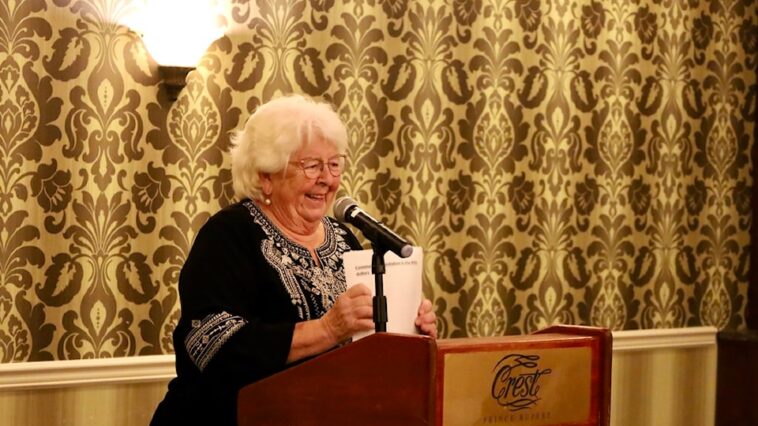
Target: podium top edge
{"x":517,"y":339}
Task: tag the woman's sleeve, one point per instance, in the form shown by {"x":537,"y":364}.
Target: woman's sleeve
{"x":225,"y":341}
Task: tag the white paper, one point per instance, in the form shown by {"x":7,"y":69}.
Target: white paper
{"x":402,"y":286}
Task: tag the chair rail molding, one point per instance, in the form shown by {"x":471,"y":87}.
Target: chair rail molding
{"x":50,"y":374}
{"x":153,"y":368}
{"x":664,"y":338}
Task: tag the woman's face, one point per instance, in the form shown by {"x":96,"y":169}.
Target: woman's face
{"x":298,"y":197}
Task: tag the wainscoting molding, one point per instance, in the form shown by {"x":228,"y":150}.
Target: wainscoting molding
{"x":665,"y":338}
{"x":45,"y":374}
{"x":48,"y":374}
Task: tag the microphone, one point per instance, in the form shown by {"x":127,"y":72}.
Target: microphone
{"x":346,"y":210}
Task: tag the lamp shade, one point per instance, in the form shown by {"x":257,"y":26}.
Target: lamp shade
{"x":177,"y":32}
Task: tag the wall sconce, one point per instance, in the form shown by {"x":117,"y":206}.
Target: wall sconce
{"x":174,"y":78}
{"x":177,"y":34}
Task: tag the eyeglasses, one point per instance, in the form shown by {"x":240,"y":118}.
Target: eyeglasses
{"x":313,"y":167}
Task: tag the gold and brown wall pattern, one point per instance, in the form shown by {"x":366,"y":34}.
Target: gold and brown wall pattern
{"x":579,"y":162}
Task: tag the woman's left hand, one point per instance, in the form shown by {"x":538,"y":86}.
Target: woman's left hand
{"x":426,"y":320}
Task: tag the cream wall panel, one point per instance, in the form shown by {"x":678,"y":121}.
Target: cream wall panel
{"x":92,"y":405}
{"x":665,"y":386}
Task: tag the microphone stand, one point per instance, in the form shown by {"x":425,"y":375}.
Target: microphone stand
{"x":380,"y":301}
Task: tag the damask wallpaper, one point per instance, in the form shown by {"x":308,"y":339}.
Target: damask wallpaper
{"x":560,"y":161}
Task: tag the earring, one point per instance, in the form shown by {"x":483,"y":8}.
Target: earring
{"x":267,"y":201}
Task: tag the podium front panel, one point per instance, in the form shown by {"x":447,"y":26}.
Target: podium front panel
{"x":383,"y":379}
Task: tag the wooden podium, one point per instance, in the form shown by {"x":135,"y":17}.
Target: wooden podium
{"x":557,"y":376}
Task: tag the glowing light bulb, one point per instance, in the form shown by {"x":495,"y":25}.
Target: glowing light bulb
{"x":177,"y":32}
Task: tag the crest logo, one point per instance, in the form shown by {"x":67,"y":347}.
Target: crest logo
{"x":516,"y":385}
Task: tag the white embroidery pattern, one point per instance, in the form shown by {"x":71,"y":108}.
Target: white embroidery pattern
{"x":312,"y":288}
{"x":208,"y":335}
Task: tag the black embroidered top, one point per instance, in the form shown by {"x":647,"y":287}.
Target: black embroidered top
{"x":242,"y":289}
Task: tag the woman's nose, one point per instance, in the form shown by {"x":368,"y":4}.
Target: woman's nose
{"x":326,"y":175}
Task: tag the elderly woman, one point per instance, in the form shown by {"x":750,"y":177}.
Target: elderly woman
{"x":264,"y":286}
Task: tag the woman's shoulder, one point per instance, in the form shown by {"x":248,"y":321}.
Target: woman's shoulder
{"x":233,"y":218}
{"x":234,"y":211}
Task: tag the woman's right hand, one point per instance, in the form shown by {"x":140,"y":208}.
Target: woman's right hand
{"x":351,"y":313}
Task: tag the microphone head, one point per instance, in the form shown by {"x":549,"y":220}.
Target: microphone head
{"x":341,"y":206}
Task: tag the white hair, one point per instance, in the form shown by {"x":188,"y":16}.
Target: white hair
{"x":274,"y":132}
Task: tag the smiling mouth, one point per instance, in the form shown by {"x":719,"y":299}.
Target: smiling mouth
{"x":317,"y":197}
